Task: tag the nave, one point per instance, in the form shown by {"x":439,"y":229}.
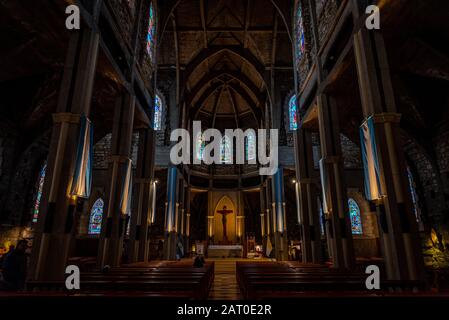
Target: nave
{"x":358,"y":123}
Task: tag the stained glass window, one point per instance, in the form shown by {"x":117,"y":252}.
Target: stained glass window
{"x":299,"y":34}
{"x":354,"y":214}
{"x":250,"y":146}
{"x":96,"y":216}
{"x":321,"y":217}
{"x":157,"y":121}
{"x":151,"y":41}
{"x":40,"y":188}
{"x":225,"y":149}
{"x":414,"y":195}
{"x":200,"y":146}
{"x":292,"y":113}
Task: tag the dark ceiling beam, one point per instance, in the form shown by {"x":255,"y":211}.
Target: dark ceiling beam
{"x":216,"y":104}
{"x":237,"y":88}
{"x":203,"y":23}
{"x":210,"y":52}
{"x":178,"y":71}
{"x":255,"y":108}
{"x":255,"y":29}
{"x":247,"y":20}
{"x":206,"y":94}
{"x":234,"y":107}
{"x":191,"y":94}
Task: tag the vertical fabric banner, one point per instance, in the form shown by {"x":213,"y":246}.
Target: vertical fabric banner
{"x":325,"y":186}
{"x":373,"y":187}
{"x":125,"y":200}
{"x":153,"y":202}
{"x":298,"y":202}
{"x":82,"y":177}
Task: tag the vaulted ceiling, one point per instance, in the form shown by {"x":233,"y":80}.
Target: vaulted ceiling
{"x":223,"y":52}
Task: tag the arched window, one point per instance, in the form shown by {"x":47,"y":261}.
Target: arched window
{"x":414,"y":195}
{"x":354,"y":214}
{"x":151,"y":35}
{"x":40,"y":188}
{"x":225,"y":150}
{"x":299,"y":34}
{"x":199,"y":146}
{"x":157,"y":119}
{"x":321,"y":216}
{"x":250,"y":146}
{"x":96,"y":216}
{"x":292,"y":113}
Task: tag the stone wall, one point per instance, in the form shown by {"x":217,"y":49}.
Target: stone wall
{"x":102,"y":151}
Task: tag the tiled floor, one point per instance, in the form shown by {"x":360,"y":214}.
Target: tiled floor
{"x":225,"y":285}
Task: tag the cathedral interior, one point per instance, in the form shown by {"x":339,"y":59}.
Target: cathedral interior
{"x":361,"y":116}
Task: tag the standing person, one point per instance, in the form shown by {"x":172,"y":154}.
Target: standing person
{"x":15,"y":266}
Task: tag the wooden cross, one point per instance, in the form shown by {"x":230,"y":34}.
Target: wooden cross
{"x":224,"y":213}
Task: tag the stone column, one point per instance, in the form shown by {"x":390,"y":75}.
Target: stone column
{"x":309,"y":216}
{"x":55,"y":227}
{"x":397,"y":224}
{"x":187,"y":217}
{"x":268,"y":216}
{"x":278,"y":209}
{"x":113,"y":227}
{"x":170,"y":215}
{"x":139,"y":236}
{"x":334,"y":189}
{"x":263,"y":226}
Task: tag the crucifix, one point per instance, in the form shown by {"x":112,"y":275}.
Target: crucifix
{"x":224,"y":213}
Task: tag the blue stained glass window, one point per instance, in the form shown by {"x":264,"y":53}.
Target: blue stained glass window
{"x":157,"y":121}
{"x":299,"y":34}
{"x":250,"y":146}
{"x":225,"y":150}
{"x":151,"y":41}
{"x":40,"y":188}
{"x":96,"y":216}
{"x":292,"y":113}
{"x":200,"y":145}
{"x":321,"y":217}
{"x":414,"y":195}
{"x":354,"y":214}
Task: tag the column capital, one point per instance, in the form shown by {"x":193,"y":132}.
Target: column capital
{"x":387,"y":117}
{"x":66,"y":117}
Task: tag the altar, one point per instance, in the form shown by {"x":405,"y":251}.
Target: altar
{"x":225,"y":251}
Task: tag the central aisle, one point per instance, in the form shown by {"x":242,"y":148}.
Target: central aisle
{"x":225,"y":285}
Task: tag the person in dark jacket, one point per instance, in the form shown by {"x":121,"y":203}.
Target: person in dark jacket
{"x":15,"y":266}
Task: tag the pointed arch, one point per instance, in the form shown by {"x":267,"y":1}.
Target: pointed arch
{"x":96,"y":217}
{"x":226,"y":152}
{"x":151,"y":34}
{"x":292,"y":113}
{"x":250,"y":146}
{"x":355,"y":216}
{"x":157,"y":115}
{"x":413,"y":194}
{"x":200,"y":145}
{"x":300,"y":41}
{"x":40,"y":188}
